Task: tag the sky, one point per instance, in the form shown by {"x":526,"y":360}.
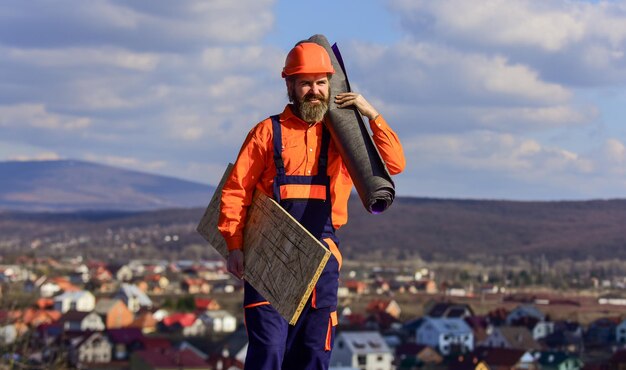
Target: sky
{"x":491,"y":99}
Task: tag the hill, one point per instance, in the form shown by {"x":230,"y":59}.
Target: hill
{"x":433,"y":229}
{"x":70,"y":185}
{"x":444,"y":229}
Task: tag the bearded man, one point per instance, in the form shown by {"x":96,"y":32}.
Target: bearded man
{"x":292,"y":158}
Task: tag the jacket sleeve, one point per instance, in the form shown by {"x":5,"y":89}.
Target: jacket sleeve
{"x":388,"y":145}
{"x":239,"y":189}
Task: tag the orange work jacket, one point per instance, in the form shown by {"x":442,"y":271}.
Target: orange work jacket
{"x":254,"y":168}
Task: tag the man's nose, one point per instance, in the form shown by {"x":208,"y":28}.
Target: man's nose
{"x":317,"y":90}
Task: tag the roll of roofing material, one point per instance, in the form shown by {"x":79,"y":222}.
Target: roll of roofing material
{"x":354,"y":143}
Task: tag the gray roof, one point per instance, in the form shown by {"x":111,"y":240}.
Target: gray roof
{"x":364,"y":342}
{"x":217,"y":313}
{"x":74,"y":296}
{"x":130,"y":290}
{"x":519,"y":337}
{"x":104,"y":305}
{"x":528,"y":310}
{"x":448,"y":325}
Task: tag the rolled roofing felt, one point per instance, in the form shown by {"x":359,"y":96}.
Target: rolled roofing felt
{"x":354,"y":143}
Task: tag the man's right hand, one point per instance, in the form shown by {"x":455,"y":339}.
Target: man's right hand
{"x":235,"y":263}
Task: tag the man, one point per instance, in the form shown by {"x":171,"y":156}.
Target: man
{"x":292,"y":158}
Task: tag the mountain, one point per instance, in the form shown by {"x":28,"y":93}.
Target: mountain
{"x":444,"y":229}
{"x":107,"y":199}
{"x":71,"y":185}
{"x":433,"y":229}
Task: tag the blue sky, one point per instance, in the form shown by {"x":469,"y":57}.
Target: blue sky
{"x":492,"y":98}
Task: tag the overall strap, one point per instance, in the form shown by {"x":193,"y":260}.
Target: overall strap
{"x":323,"y":159}
{"x":278,"y":146}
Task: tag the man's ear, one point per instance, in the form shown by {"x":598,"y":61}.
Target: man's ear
{"x":290,"y":83}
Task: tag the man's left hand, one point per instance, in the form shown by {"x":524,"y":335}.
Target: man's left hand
{"x":347,"y":99}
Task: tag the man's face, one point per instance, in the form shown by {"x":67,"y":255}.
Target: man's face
{"x":310,"y":94}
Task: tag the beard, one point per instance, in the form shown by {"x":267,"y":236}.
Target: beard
{"x":311,"y":112}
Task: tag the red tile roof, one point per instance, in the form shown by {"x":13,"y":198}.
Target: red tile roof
{"x":184,"y":319}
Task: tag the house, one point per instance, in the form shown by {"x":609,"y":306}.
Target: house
{"x":195,"y":286}
{"x":160,"y":314}
{"x":219,"y":321}
{"x":447,"y":335}
{"x":8,"y":333}
{"x":512,"y":337}
{"x":114,"y":313}
{"x":355,"y":286}
{"x":480,"y":325}
{"x":121,"y":273}
{"x":601,"y":332}
{"x":364,"y":350}
{"x":412,"y":355}
{"x":542,"y":329}
{"x":81,"y":321}
{"x":427,"y":286}
{"x":447,"y":310}
{"x":133,"y":297}
{"x":124,"y":341}
{"x":388,"y":306}
{"x":101,"y":274}
{"x":620,"y":332}
{"x":64,"y":284}
{"x":455,"y":291}
{"x":145,"y":322}
{"x":567,"y":336}
{"x":203,"y":304}
{"x":160,"y":359}
{"x":157,"y":283}
{"x":525,"y":311}
{"x":45,"y":303}
{"x":380,"y":321}
{"x":188,"y":324}
{"x":90,"y":348}
{"x":549,"y":360}
{"x":49,"y":289}
{"x":13,"y":273}
{"x":81,"y":300}
{"x":79,"y":278}
{"x":34,"y":317}
{"x":498,"y":316}
{"x":234,"y":346}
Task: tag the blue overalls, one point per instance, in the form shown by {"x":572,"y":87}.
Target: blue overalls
{"x":272,"y":343}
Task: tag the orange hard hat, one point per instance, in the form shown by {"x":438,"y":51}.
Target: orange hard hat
{"x":307,"y":57}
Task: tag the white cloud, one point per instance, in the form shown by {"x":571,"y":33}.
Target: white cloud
{"x":244,"y":58}
{"x":615,"y":152}
{"x":92,"y":57}
{"x":154,"y":25}
{"x":498,"y":76}
{"x":555,"y":116}
{"x":126,"y":162}
{"x":41,"y":156}
{"x":505,"y":153}
{"x":426,"y":73}
{"x":575,"y":42}
{"x":36,"y":115}
{"x":549,"y":25}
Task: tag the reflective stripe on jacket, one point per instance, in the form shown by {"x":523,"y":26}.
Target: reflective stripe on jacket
{"x":255,"y":168}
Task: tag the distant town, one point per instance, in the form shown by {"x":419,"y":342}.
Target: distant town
{"x":67,"y":311}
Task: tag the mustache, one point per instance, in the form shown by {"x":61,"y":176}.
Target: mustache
{"x":312,"y":96}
